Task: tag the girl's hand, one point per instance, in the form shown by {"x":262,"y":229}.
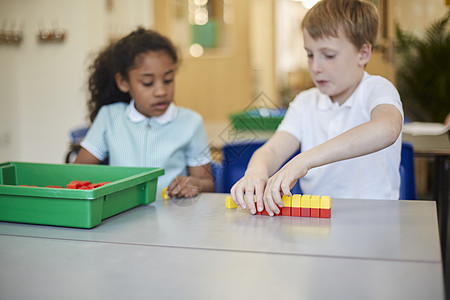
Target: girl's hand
{"x":183,"y":186}
{"x":243,"y":191}
{"x":281,"y":183}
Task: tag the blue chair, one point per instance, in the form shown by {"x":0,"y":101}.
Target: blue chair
{"x":236,"y":156}
{"x":76,"y":136}
{"x":217,"y":172}
{"x":407,"y":173}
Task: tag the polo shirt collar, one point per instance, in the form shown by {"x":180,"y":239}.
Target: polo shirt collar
{"x":135,"y":116}
{"x":325,"y":103}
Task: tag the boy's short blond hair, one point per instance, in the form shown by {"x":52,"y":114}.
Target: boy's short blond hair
{"x":358,"y":20}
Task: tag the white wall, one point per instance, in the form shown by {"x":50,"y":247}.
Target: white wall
{"x":43,"y":87}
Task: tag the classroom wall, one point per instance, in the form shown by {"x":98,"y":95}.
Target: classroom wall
{"x":411,"y":15}
{"x":219,"y":82}
{"x":43,"y":85}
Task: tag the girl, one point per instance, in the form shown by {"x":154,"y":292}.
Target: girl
{"x":134,"y":120}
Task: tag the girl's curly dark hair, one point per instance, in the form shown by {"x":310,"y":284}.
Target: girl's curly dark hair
{"x":119,"y":58}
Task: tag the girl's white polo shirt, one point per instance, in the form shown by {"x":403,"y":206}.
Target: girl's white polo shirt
{"x":173,"y":141}
{"x":313,"y":118}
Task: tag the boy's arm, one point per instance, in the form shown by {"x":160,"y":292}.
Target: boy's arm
{"x":380,"y":132}
{"x":264,"y":162}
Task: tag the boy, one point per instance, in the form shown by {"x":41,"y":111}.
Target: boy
{"x":349,"y":126}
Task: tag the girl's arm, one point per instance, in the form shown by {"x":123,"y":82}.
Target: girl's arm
{"x":200,"y":179}
{"x":85,"y":157}
{"x":380,"y":132}
{"x":264,"y":162}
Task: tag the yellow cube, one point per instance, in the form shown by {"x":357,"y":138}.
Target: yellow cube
{"x":325,"y":202}
{"x":164,"y":194}
{"x":315,"y":201}
{"x":305,"y":201}
{"x":229,"y":203}
{"x":287,"y":201}
{"x":296,"y":200}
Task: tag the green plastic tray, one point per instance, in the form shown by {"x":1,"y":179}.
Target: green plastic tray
{"x":129,"y":187}
{"x":252,"y":120}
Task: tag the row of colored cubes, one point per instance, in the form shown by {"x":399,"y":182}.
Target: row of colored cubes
{"x":298,"y":206}
{"x":306,"y":206}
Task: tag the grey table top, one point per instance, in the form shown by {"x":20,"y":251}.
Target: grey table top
{"x":198,"y":249}
{"x":380,"y":229}
{"x":37,"y":268}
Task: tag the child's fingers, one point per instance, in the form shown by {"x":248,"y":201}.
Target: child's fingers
{"x":183,"y":187}
{"x":259,"y":194}
{"x":237,"y":194}
{"x":286,"y":189}
{"x":250,"y":199}
{"x":270,"y":206}
{"x":188,"y":191}
{"x":272,"y":197}
{"x":234,"y":195}
{"x":171,"y":187}
{"x":176,"y":186}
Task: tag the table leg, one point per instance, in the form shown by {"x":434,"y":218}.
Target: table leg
{"x":441,"y":192}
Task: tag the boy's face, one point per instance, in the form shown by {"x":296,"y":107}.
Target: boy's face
{"x":151,"y":83}
{"x":335,"y":65}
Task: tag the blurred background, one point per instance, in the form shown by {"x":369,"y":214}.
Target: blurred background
{"x":236,"y":54}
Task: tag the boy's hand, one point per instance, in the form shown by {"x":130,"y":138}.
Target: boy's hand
{"x":183,"y":186}
{"x":248,"y":188}
{"x":281,"y":183}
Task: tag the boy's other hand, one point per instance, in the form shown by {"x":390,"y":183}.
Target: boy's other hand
{"x":248,"y":188}
{"x":281,"y":184}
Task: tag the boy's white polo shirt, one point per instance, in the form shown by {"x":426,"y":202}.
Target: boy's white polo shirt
{"x":173,"y":141}
{"x":313,"y":119}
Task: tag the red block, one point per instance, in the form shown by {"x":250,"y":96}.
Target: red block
{"x":285,"y":211}
{"x":264,"y":212}
{"x":84,"y":182}
{"x":295,"y":211}
{"x":74,"y":184}
{"x":85,"y":187}
{"x":325,"y":213}
{"x":314,"y":212}
{"x":305,"y":212}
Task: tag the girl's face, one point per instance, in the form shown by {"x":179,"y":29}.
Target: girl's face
{"x":335,"y":65}
{"x":150,"y":83}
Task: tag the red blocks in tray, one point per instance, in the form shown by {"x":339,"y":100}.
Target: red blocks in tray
{"x":84,"y":185}
{"x":75,"y":185}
